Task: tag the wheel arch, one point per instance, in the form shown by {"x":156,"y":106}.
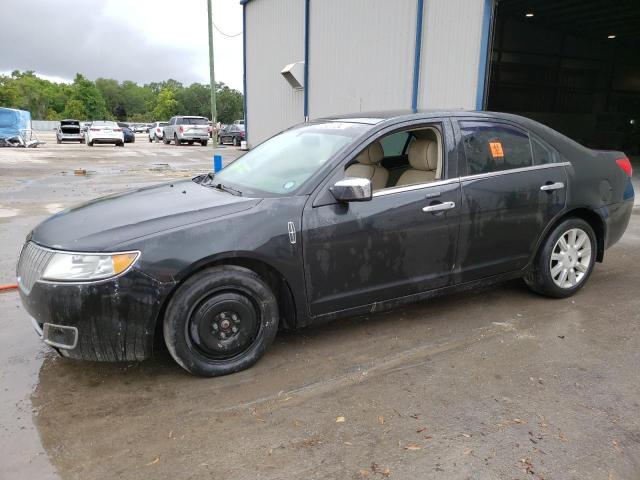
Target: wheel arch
{"x":267,"y":272}
{"x":593,"y":218}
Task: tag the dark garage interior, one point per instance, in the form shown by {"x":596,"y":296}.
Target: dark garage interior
{"x":573,"y":65}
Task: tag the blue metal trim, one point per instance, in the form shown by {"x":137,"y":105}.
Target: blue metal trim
{"x":484,"y":53}
{"x":306,"y":60}
{"x":418,"y":51}
{"x":244,"y":69}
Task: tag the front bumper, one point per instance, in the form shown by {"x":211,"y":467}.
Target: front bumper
{"x":113,"y":320}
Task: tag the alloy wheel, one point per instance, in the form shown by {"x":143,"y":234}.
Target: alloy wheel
{"x":570,"y":258}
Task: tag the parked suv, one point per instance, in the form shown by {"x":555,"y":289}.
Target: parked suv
{"x":187,"y":129}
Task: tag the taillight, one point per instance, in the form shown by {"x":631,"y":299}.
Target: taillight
{"x":625,"y":165}
{"x":181,"y":129}
{"x":158,"y":130}
{"x":117,"y":129}
{"x":242,"y":134}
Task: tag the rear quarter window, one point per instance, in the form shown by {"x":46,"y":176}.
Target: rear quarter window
{"x":543,"y":153}
{"x":491,"y":147}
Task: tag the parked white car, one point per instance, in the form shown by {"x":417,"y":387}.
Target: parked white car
{"x":156,"y":131}
{"x":104,"y":131}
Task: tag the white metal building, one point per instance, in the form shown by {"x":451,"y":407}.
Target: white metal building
{"x":572,"y":64}
{"x":313,"y":58}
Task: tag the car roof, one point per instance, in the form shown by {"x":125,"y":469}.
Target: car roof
{"x":373,"y":118}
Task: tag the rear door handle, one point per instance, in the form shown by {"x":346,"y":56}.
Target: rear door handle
{"x":552,"y":186}
{"x":438,"y":207}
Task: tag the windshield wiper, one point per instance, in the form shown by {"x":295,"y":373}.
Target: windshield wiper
{"x":228,"y":189}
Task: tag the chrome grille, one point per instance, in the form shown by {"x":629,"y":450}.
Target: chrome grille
{"x":33,"y":261}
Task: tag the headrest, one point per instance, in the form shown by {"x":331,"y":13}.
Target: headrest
{"x":423,"y":154}
{"x":372,"y":155}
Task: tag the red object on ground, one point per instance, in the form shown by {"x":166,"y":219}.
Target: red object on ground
{"x":6,"y":288}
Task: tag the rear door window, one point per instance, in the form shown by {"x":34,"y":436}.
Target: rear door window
{"x":491,"y":147}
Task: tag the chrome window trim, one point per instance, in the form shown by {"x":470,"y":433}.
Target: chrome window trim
{"x":417,"y":186}
{"x":513,"y":170}
{"x":478,"y":176}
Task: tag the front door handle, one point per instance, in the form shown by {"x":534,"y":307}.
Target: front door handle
{"x":552,"y":186}
{"x":438,"y":207}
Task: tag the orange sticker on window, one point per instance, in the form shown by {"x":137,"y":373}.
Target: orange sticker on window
{"x":496,"y":149}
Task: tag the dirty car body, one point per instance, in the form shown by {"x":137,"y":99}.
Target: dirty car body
{"x":331,"y":218}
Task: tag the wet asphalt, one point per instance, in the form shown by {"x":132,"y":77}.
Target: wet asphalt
{"x":491,"y":384}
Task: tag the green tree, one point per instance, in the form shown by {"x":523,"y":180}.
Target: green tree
{"x":166,"y":105}
{"x":195,"y":100}
{"x":229,"y":104}
{"x":111,"y":92}
{"x":84,"y":92}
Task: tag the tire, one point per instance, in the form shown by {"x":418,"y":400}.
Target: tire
{"x":204,"y":143}
{"x":175,"y":139}
{"x":165,"y":140}
{"x":119,"y":144}
{"x":236,"y":141}
{"x":215,"y":301}
{"x":220,"y":141}
{"x":150,"y":139}
{"x":90,"y":143}
{"x":58,"y":141}
{"x":548,"y":275}
{"x":81,"y":141}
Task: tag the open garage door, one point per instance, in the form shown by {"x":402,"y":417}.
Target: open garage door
{"x":573,"y":65}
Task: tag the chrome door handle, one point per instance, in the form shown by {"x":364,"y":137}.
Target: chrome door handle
{"x":552,"y":186}
{"x":439,"y":207}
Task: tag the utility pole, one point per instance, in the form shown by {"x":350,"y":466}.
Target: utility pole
{"x":212,"y":76}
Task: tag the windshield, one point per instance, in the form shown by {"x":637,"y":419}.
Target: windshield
{"x":283,"y":163}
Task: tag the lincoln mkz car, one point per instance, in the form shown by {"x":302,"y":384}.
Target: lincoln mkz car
{"x":331,"y":218}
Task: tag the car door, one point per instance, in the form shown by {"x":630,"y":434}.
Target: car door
{"x":508,"y":198}
{"x":394,"y":245}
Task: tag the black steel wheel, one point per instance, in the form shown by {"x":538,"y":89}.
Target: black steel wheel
{"x":220,"y":321}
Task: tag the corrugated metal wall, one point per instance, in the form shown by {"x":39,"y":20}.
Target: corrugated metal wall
{"x":275,"y":37}
{"x":450,"y":53}
{"x":361,"y":55}
{"x":361,"y":58}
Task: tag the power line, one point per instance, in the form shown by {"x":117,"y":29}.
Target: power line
{"x":225,"y":34}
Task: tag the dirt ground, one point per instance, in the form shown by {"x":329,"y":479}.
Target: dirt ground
{"x":492,"y":384}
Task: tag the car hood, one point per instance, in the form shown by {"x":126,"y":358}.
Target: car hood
{"x":102,"y":224}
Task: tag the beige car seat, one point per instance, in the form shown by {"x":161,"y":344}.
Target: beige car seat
{"x":368,"y":166}
{"x":423,"y":158}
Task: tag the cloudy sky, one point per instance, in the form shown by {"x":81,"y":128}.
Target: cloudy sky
{"x":139,"y":40}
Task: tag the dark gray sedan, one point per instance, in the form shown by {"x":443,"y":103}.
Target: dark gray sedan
{"x":331,"y":218}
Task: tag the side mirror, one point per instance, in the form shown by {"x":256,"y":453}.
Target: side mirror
{"x":352,"y":189}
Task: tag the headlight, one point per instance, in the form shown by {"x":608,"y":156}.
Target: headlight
{"x":87,"y":267}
